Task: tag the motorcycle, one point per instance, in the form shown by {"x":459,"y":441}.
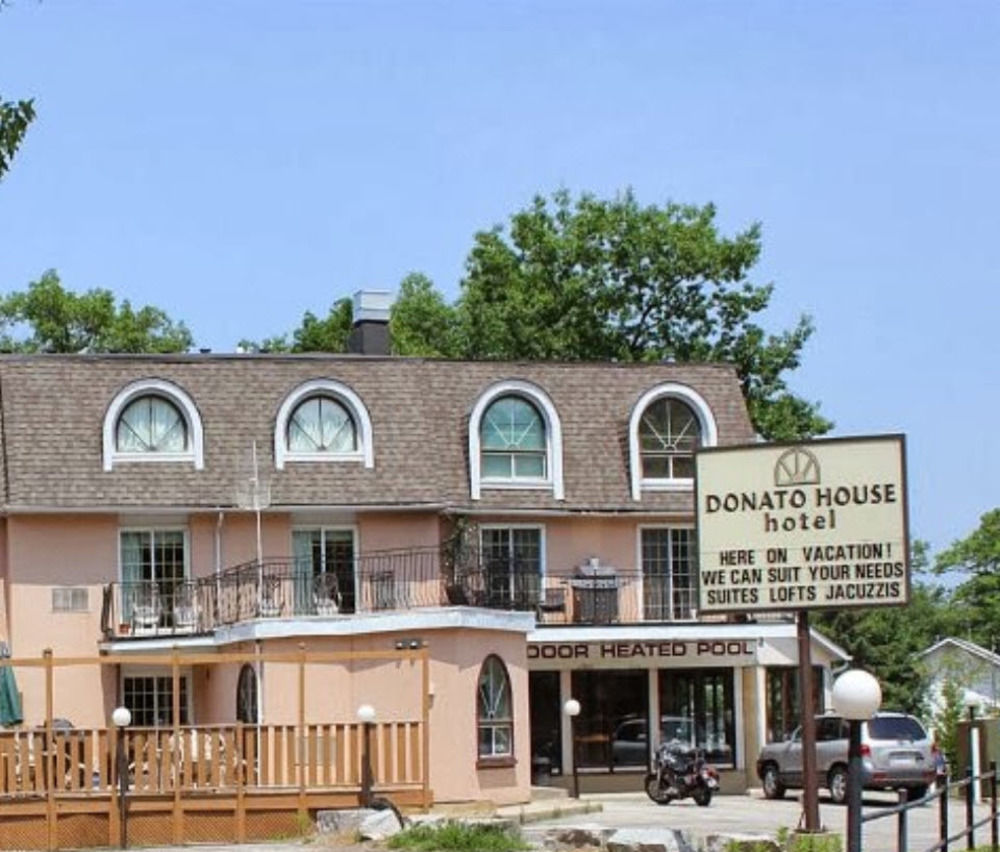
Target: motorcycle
{"x":680,"y":772}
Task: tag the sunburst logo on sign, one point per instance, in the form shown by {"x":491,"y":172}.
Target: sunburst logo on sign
{"x":796,"y":466}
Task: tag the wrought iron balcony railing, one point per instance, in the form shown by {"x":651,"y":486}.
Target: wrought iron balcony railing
{"x":388,"y":581}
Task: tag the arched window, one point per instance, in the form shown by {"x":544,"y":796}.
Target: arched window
{"x":667,"y":425}
{"x":151,"y":424}
{"x":320,"y":424}
{"x":512,"y":440}
{"x":323,"y":421}
{"x":246,"y":695}
{"x":515,"y":440}
{"x":669,"y":433}
{"x":152,"y":420}
{"x":494,"y":710}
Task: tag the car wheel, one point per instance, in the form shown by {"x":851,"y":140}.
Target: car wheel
{"x":771,"y":779}
{"x":837,"y":782}
{"x":918,"y":791}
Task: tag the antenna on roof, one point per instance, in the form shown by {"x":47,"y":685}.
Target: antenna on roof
{"x":253,"y":493}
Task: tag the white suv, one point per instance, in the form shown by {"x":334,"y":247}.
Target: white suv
{"x":896,"y":752}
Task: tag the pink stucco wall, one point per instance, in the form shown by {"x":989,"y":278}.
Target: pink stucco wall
{"x":393,"y":688}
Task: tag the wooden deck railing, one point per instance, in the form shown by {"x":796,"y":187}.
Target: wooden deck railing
{"x":222,"y":757}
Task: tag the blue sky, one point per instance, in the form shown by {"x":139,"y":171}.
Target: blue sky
{"x":239,"y":163}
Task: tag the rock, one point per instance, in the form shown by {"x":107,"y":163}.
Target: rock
{"x":741,"y":843}
{"x":649,"y":840}
{"x":340,"y":821}
{"x":379,"y":825}
{"x":578,"y":836}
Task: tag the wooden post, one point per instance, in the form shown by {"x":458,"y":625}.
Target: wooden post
{"x":50,"y":766}
{"x":241,"y":812}
{"x":425,"y":719}
{"x":178,"y":815}
{"x":810,"y":792}
{"x":301,"y":748}
{"x":114,"y":814}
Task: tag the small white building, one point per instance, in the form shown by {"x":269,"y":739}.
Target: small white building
{"x":975,"y":669}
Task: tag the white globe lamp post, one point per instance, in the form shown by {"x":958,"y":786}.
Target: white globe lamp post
{"x":856,"y":697}
{"x":572,"y":709}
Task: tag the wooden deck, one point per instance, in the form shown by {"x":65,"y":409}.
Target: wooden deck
{"x":189,"y":784}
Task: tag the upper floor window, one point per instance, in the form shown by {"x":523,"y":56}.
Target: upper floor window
{"x":323,"y":420}
{"x":669,"y":433}
{"x":515,"y":440}
{"x":494,"y":710}
{"x":667,"y":425}
{"x":320,"y":424}
{"x":151,"y":424}
{"x":152,"y":420}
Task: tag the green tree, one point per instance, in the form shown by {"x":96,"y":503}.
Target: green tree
{"x":976,"y":599}
{"x":48,"y":318}
{"x":15,"y":116}
{"x":592,"y":279}
{"x":421,"y":322}
{"x":314,"y":334}
{"x":885,"y":641}
{"x":595,"y":279}
{"x":976,"y":554}
{"x":947,"y":718}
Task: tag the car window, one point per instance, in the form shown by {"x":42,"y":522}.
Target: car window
{"x":895,"y":728}
{"x":675,"y":728}
{"x":828,"y":729}
{"x":632,"y":731}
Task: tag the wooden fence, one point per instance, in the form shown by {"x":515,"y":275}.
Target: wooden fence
{"x":217,"y":783}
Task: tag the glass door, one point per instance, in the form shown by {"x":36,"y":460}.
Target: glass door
{"x":324,"y":559}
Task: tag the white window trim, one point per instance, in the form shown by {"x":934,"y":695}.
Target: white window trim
{"x":709,"y":436}
{"x":355,"y":407}
{"x":189,"y":411}
{"x":553,"y":441}
{"x":670,"y":589}
{"x":186,"y":673}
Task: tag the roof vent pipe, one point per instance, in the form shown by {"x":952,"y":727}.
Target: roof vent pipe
{"x":370,"y":334}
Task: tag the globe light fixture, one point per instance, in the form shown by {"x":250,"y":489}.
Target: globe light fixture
{"x":572,"y":709}
{"x":856,"y":697}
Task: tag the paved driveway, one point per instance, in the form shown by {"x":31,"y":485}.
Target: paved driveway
{"x":753,"y":813}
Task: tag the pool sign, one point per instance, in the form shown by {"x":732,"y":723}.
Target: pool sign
{"x":814,"y":525}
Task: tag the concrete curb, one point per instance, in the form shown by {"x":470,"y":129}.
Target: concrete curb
{"x":543,"y":810}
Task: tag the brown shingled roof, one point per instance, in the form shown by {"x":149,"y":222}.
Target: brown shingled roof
{"x":53,"y":409}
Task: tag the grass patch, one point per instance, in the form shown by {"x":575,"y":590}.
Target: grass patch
{"x":452,"y":836}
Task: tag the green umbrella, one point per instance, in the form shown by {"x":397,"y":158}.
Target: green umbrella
{"x":10,"y":699}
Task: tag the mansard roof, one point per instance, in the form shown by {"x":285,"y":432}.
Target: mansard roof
{"x":53,"y":408}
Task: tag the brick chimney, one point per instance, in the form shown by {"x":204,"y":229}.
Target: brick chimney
{"x":370,"y":334}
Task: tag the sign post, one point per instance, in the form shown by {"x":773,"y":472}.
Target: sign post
{"x":819,"y":524}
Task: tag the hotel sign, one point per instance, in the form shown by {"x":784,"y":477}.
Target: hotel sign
{"x":819,"y":524}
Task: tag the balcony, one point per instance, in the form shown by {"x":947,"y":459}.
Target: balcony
{"x":383,"y":581}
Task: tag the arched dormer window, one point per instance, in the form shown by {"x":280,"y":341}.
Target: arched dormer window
{"x":667,"y":425}
{"x":323,"y":420}
{"x":515,"y":440}
{"x":152,"y":420}
{"x":494,"y":710}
